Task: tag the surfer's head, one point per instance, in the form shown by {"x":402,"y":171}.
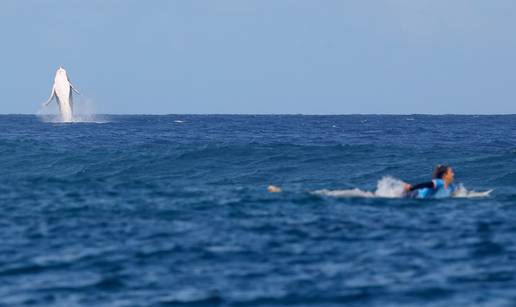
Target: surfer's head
{"x":443,"y":172}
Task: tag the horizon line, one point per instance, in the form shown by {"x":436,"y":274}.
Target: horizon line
{"x":271,"y":114}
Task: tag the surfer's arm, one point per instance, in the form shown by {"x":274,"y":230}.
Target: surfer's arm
{"x":427,"y":185}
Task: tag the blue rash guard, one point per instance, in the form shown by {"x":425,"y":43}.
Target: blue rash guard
{"x":438,"y":191}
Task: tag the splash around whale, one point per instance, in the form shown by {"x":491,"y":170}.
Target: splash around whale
{"x":62,"y":91}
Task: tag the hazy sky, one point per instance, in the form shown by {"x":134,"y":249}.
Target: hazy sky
{"x":263,"y":56}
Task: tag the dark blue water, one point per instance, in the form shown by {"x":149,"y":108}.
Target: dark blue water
{"x":165,"y":210}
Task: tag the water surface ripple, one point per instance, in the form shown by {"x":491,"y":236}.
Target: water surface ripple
{"x":173,"y":210}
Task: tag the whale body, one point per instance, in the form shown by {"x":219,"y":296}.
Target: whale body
{"x":62,"y":92}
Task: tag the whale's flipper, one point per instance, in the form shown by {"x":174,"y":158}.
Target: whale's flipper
{"x":70,"y":99}
{"x":52,"y":95}
{"x":73,"y":88}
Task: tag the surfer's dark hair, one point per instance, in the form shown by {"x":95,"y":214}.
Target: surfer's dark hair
{"x":439,"y":171}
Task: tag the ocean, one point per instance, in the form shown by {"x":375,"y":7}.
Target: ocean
{"x":174,"y":210}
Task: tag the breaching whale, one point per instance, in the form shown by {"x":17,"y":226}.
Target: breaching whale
{"x":62,"y":91}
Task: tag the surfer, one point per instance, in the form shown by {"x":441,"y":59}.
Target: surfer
{"x":440,"y":186}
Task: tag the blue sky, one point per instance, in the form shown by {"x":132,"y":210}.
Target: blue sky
{"x":263,"y":56}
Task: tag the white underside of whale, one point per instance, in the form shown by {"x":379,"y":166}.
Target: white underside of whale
{"x":62,"y":92}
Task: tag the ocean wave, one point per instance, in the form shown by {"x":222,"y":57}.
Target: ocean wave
{"x":180,"y":213}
